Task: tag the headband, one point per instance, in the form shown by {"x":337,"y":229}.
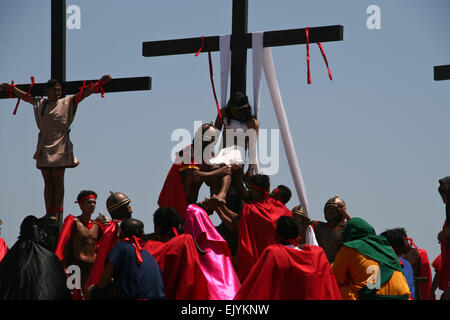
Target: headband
{"x":89,"y":196}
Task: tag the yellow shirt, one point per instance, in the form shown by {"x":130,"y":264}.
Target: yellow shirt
{"x":353,"y":271}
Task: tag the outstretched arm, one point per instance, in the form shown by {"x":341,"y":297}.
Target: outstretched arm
{"x":92,"y":88}
{"x":16,"y":91}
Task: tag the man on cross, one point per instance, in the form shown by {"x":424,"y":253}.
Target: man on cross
{"x":54,"y":152}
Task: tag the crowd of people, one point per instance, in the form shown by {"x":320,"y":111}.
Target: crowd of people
{"x":262,"y":250}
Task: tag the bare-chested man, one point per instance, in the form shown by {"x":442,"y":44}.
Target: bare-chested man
{"x":79,"y":237}
{"x":329,"y":233}
{"x":191,"y":170}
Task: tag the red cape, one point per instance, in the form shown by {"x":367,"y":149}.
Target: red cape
{"x":64,"y":235}
{"x":283,"y":273}
{"x":445,"y":264}
{"x":107,"y":241}
{"x":3,"y":248}
{"x":172,"y":194}
{"x":257,"y":225}
{"x":180,"y":266}
{"x":425,"y":271}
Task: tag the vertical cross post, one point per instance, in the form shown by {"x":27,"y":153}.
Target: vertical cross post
{"x":238,"y":43}
{"x":58,"y":36}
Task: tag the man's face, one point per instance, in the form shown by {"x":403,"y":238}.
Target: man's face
{"x":332,"y":214}
{"x":88,"y":206}
{"x":54,"y":93}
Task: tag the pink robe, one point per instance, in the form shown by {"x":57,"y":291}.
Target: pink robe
{"x":216,"y":264}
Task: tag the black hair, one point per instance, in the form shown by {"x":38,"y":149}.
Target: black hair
{"x":260,"y":180}
{"x":132,"y":227}
{"x":29,"y":228}
{"x":85,"y":193}
{"x":52,"y":83}
{"x":285,"y":193}
{"x":396,"y":238}
{"x":239,"y":99}
{"x":288,"y":227}
{"x":165,"y":218}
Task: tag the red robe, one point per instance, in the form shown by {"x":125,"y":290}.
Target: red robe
{"x":283,"y":273}
{"x":3,"y":248}
{"x":445,"y":263}
{"x":180,"y":266}
{"x":425,"y":271}
{"x":107,"y":241}
{"x":256,"y":231}
{"x":172,"y":194}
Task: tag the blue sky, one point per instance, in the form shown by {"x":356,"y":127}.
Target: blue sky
{"x":377,"y":135}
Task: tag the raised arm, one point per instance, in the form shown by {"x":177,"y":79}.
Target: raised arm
{"x":92,"y":88}
{"x":17,"y":92}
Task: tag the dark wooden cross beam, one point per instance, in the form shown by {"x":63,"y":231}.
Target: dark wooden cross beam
{"x":240,"y":41}
{"x":58,"y":63}
{"x":442,"y":72}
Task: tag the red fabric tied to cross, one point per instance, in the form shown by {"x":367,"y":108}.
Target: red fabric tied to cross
{"x":98,"y":87}
{"x":27,"y":97}
{"x":210,"y":75}
{"x":308,"y":59}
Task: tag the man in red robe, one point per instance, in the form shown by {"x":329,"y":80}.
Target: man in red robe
{"x":177,"y":256}
{"x":286,"y":272}
{"x":118,"y":206}
{"x":444,"y":238}
{"x":257,"y":224}
{"x":78,"y":239}
{"x":190,"y":171}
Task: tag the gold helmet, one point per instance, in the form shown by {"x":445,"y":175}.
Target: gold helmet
{"x":333,"y":202}
{"x":117,"y":204}
{"x":298,"y":210}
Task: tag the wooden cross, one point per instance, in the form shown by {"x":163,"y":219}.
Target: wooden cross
{"x":240,"y":41}
{"x":442,"y":72}
{"x":58,"y":63}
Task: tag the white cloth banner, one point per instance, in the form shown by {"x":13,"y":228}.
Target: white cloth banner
{"x":225,"y":59}
{"x":271,"y":78}
{"x":311,"y":237}
{"x":257,"y":55}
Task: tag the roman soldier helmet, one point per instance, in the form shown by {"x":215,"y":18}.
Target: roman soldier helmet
{"x":116,"y":203}
{"x":333,"y":202}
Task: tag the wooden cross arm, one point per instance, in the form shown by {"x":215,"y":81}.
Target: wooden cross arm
{"x":442,"y":72}
{"x":271,"y":39}
{"x":73,"y":87}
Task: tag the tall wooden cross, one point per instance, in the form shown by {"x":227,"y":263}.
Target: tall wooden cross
{"x":442,"y":72}
{"x":58,"y":63}
{"x":240,"y":41}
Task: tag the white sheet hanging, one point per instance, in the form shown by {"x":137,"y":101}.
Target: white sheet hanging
{"x":271,"y":78}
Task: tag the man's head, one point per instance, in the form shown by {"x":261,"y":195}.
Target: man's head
{"x":259,"y":186}
{"x":281,"y":193}
{"x":208,"y":136}
{"x":288,"y":230}
{"x":87,"y":200}
{"x":444,"y":188}
{"x":53,"y":89}
{"x":239,"y":107}
{"x":118,"y":205}
{"x":299,"y":214}
{"x":132,"y":227}
{"x":398,"y":240}
{"x":331,"y":211}
{"x":166,"y":221}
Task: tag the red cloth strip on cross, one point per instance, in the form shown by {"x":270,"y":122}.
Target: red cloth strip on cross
{"x":210,"y":75}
